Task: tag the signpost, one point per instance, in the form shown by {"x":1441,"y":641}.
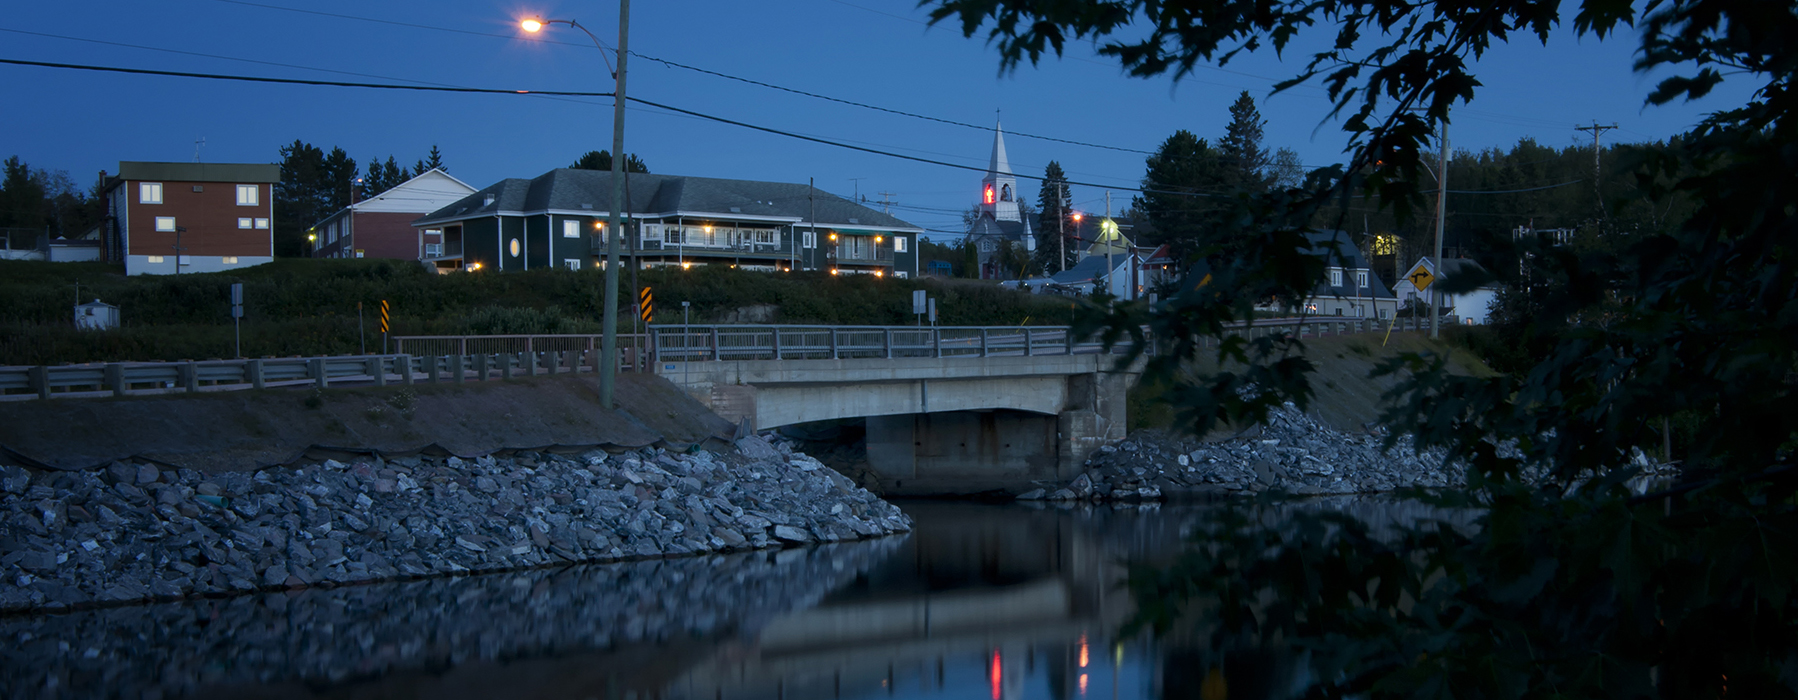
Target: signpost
{"x":918,"y":305}
{"x":237,"y":317}
{"x":646,"y":304}
{"x":931,"y":311}
{"x":384,"y":325}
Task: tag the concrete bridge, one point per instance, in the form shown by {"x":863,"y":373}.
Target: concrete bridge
{"x":948,"y":410}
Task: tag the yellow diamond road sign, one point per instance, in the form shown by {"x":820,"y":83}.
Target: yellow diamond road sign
{"x":1420,"y":277}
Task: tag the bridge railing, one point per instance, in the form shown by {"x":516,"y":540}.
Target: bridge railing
{"x":709,"y":343}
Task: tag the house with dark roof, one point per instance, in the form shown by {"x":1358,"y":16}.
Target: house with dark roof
{"x":1350,"y":287}
{"x":557,"y":220}
{"x":381,"y":226}
{"x":171,"y":218}
{"x":999,"y":223}
{"x":1472,"y":307}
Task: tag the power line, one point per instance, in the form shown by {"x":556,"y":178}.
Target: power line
{"x":300,"y":81}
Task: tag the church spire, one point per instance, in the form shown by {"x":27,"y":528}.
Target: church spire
{"x":1000,"y":190}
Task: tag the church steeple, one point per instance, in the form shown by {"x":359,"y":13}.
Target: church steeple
{"x":999,"y":190}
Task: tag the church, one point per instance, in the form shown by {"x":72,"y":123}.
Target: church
{"x":999,"y":224}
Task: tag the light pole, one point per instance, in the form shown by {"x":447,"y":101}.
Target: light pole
{"x":609,"y":343}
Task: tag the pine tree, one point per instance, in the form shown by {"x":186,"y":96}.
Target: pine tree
{"x":21,"y":197}
{"x":300,"y":197}
{"x":1177,"y":180}
{"x":339,"y":171}
{"x":1242,"y":148}
{"x":432,"y":160}
{"x":602,"y":160}
{"x":1055,"y":203}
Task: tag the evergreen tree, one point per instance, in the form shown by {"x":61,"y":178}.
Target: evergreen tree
{"x":1242,"y":151}
{"x":21,"y":197}
{"x":1054,"y":229}
{"x":301,"y":197}
{"x":339,"y":173}
{"x":1177,"y":180}
{"x":382,"y":177}
{"x":434,"y":159}
{"x":602,"y":160}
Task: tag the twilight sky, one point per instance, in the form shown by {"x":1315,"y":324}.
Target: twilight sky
{"x":869,"y":51}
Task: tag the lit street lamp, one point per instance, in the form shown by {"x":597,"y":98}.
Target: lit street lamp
{"x":609,"y":344}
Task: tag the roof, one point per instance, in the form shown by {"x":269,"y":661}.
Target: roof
{"x":199,"y":172}
{"x":1345,"y":255}
{"x":987,"y":225}
{"x":997,"y":166}
{"x":1088,"y":269}
{"x":649,"y":195}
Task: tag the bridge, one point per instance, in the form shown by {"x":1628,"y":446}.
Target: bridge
{"x":948,"y":409}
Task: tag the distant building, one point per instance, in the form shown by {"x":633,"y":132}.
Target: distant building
{"x":173,"y":218}
{"x":381,"y":226}
{"x":555,"y":220}
{"x":999,"y":224}
{"x":1473,"y":307}
{"x":1350,"y":287}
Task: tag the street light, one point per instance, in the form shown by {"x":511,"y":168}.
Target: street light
{"x":609,"y":344}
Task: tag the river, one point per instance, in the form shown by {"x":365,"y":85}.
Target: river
{"x":1002,"y":602}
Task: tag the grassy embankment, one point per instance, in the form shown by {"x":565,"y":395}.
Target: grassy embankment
{"x":309,"y":307}
{"x":1344,"y":395}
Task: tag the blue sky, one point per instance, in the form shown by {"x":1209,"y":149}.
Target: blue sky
{"x":859,"y":50}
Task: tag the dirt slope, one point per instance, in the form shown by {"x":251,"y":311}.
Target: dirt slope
{"x":250,"y":429}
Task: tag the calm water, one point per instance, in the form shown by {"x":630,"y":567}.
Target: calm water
{"x":981,"y":602}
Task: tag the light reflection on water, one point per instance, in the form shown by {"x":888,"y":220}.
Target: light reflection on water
{"x":981,"y":602}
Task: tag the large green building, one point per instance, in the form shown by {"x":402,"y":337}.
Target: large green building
{"x":556,"y":220}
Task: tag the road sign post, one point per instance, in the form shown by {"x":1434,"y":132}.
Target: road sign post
{"x":918,"y":305}
{"x":384,"y":326}
{"x":237,"y":317}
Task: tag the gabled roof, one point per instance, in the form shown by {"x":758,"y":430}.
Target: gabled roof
{"x":1089,"y":269}
{"x":566,"y":190}
{"x":1340,"y":252}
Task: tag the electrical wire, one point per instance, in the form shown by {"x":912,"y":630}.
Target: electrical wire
{"x":299,"y":81}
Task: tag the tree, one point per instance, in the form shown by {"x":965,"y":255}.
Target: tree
{"x":431,"y":160}
{"x":302,"y":197}
{"x":1055,"y":204}
{"x":1567,"y":584}
{"x":382,"y":177}
{"x":21,"y":197}
{"x":602,"y":160}
{"x":1180,"y":180}
{"x":339,"y":179}
{"x":1246,"y":163}
{"x":1285,"y":169}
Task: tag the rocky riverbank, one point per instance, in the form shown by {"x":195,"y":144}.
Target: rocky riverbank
{"x":135,"y":531}
{"x":1291,"y":451}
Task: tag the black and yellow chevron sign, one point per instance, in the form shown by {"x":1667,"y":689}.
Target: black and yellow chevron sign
{"x":644,"y":304}
{"x":384,"y":316}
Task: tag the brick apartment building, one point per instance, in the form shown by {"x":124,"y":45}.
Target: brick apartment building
{"x":381,"y":226}
{"x":175,"y":218}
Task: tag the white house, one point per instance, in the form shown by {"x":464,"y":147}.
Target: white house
{"x":1472,"y":307}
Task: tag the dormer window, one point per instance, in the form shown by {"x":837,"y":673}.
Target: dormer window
{"x":1362,"y":280}
{"x":1337,"y":278}
{"x":487,"y":200}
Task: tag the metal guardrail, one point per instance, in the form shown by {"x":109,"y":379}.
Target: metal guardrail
{"x":481,"y":358}
{"x":150,"y":378}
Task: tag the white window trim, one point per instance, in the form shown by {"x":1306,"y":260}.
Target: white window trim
{"x":228,"y":260}
{"x":571,"y":228}
{"x":153,"y":259}
{"x":899,"y":244}
{"x":1362,"y":279}
{"x":246,"y":222}
{"x":169,"y":219}
{"x":809,"y":239}
{"x":145,"y":189}
{"x":262,"y":223}
{"x":1337,"y":278}
{"x":255,"y":192}
{"x":572,"y":263}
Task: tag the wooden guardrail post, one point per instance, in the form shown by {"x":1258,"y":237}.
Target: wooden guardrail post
{"x":114,"y":376}
{"x":188,"y":376}
{"x":316,"y":367}
{"x":39,"y":378}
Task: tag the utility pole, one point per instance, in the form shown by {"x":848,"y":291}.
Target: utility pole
{"x":1062,"y":252}
{"x":609,"y":340}
{"x":197,"y":144}
{"x":886,"y":201}
{"x":1597,"y":128}
{"x":856,"y":189}
{"x":812,"y":213}
{"x":1437,"y":251}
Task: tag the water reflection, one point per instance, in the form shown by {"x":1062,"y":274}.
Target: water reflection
{"x":981,"y":601}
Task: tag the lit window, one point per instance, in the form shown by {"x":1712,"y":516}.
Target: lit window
{"x":572,"y":263}
{"x":1337,"y":278}
{"x":244,"y":222}
{"x":153,"y":259}
{"x":165,"y":223}
{"x":987,"y":194}
{"x":150,"y":193}
{"x":359,"y":252}
{"x":571,"y":228}
{"x":809,"y":239}
{"x":228,"y":260}
{"x":899,"y":244}
{"x":262,"y":223}
{"x":247,"y":195}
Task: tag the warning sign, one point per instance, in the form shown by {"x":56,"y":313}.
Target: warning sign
{"x":1420,"y":277}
